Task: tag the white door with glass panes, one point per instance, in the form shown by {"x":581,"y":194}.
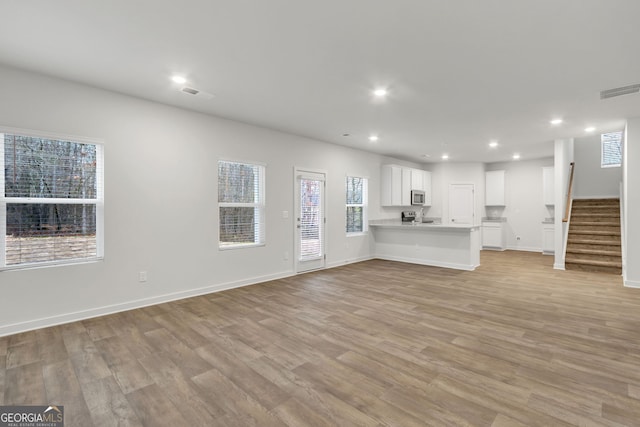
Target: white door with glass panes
{"x":310,"y":220}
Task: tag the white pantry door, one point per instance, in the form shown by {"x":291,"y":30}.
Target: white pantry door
{"x":461,"y":204}
{"x":310,"y":220}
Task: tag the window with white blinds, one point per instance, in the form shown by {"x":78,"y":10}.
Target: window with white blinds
{"x":611,"y":149}
{"x":241,"y":203}
{"x":356,"y":204}
{"x":51,"y":200}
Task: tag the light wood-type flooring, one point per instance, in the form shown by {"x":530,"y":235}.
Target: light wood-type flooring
{"x":377,"y":343}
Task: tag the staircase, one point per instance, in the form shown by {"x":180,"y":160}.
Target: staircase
{"x":594,"y":236}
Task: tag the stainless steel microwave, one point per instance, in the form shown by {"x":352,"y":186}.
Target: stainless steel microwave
{"x":417,"y":197}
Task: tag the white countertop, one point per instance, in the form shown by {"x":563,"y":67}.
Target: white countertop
{"x":397,"y":223}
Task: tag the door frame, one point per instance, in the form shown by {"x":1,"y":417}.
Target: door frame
{"x":473,"y":201}
{"x":317,"y":264}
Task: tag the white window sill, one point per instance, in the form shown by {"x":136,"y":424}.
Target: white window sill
{"x":65,"y":263}
{"x":239,"y":246}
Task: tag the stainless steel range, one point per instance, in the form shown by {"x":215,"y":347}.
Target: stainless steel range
{"x":408,"y":216}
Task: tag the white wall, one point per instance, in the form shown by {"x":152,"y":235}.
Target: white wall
{"x":591,"y":180}
{"x":524,"y":205}
{"x":444,"y":174}
{"x":563,"y":156}
{"x":631,"y":190}
{"x":161,"y":201}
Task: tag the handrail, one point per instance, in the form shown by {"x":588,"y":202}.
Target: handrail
{"x":567,"y":205}
{"x":623,"y":228}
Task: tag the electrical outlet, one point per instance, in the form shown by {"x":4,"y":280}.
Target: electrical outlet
{"x":285,"y":214}
{"x":142,"y":276}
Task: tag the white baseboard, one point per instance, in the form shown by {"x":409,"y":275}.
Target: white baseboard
{"x":631,"y":284}
{"x":466,"y":267}
{"x":46,"y":322}
{"x":524,"y":249}
{"x":558,"y":266}
{"x":348,"y":261}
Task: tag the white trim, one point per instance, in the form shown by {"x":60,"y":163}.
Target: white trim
{"x":231,"y":246}
{"x":57,"y":263}
{"x":524,"y":249}
{"x":312,"y":174}
{"x":318,"y":177}
{"x":358,"y":234}
{"x":244,"y":162}
{"x":51,"y":200}
{"x":632,"y":284}
{"x":260,"y":207}
{"x":145,"y":302}
{"x":364,"y":205}
{"x":432,"y":263}
{"x":98,"y":201}
{"x":349,"y":261}
{"x":558,"y":266}
{"x":51,"y":135}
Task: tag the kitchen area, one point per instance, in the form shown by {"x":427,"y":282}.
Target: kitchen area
{"x":445,"y":216}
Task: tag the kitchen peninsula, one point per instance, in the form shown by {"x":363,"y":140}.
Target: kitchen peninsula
{"x":441,"y":245}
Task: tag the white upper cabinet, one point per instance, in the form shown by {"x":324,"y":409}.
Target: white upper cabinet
{"x":406,"y":186}
{"x":391,"y":191}
{"x":427,"y":188}
{"x":548,"y":185}
{"x":417,"y":179}
{"x":494,"y":188}
{"x":398,"y":181}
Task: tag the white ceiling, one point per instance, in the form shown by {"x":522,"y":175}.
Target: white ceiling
{"x":460,"y":72}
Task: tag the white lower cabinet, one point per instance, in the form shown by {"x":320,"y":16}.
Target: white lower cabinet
{"x":548,"y":238}
{"x":494,"y":236}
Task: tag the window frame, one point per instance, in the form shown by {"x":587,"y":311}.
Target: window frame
{"x":98,"y":201}
{"x":260,"y":206}
{"x":604,"y":165}
{"x":363,"y":205}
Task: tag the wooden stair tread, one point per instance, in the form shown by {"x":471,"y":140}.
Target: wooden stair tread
{"x":597,"y":223}
{"x":603,"y":204}
{"x":592,"y":242}
{"x":612,"y":253}
{"x":590,"y":268}
{"x":617,"y":264}
{"x":595,"y":232}
{"x":597,"y":201}
{"x":597,"y":214}
{"x":594,"y":236}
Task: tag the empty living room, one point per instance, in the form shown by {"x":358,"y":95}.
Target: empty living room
{"x":319,"y":213}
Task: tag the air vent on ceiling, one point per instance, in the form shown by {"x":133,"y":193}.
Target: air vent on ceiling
{"x":196,"y":92}
{"x":625,"y":90}
{"x":190,"y":90}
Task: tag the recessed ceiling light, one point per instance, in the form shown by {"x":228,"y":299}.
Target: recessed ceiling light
{"x":380,"y":92}
{"x":179,"y":79}
{"x":373,"y":138}
{"x":556,"y":121}
{"x":516,"y":156}
{"x":426,"y":155}
{"x":493,"y":144}
{"x":589,"y":129}
{"x":445,"y":156}
{"x":346,"y":134}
